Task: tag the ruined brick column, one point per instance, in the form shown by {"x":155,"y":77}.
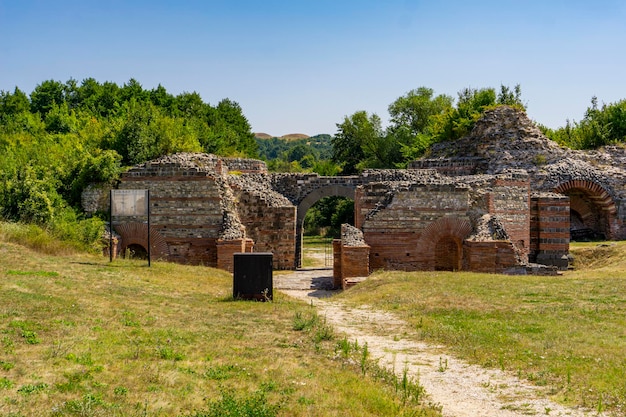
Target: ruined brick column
{"x":355,"y":254}
{"x":226,"y":250}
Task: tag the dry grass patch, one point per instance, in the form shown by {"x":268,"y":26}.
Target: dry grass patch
{"x":82,"y":336}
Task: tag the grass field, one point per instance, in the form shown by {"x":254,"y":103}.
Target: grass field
{"x":80,"y":336}
{"x":565,"y":332}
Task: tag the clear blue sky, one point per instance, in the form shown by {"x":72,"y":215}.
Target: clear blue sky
{"x":301,"y":66}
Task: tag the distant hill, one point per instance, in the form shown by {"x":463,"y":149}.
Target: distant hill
{"x":295,"y":136}
{"x":263,"y":136}
{"x":289,"y":137}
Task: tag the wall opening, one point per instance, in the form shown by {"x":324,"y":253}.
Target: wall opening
{"x":447,"y":254}
{"x":322,"y":224}
{"x":333,"y":197}
{"x":136,"y":251}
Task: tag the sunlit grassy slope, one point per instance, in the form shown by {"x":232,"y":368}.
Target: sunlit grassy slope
{"x":566,"y":332}
{"x":82,"y":336}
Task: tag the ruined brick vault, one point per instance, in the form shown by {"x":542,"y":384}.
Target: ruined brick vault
{"x":501,"y":199}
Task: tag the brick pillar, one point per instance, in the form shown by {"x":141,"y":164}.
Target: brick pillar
{"x":554,"y":231}
{"x":226,"y":249}
{"x":354,"y":263}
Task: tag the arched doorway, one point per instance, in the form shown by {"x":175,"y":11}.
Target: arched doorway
{"x":308,"y":202}
{"x":592,"y":210}
{"x":447,"y":254}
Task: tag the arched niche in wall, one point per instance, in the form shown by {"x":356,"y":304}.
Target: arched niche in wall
{"x":135,"y":235}
{"x":592,"y":210}
{"x":441,"y":243}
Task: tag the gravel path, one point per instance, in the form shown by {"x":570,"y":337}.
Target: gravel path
{"x":463,"y":390}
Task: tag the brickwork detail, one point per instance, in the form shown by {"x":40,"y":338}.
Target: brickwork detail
{"x":226,"y":249}
{"x":134,"y":233}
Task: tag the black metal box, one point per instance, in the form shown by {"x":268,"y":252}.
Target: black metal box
{"x":252,"y":276}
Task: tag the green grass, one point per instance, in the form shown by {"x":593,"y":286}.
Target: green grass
{"x":566,"y":332}
{"x":80,"y":336}
{"x":314,"y":249}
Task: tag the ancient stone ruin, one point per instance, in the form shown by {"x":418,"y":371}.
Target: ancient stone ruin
{"x":503,"y":199}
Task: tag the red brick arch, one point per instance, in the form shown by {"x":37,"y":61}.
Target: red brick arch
{"x":137,"y":234}
{"x":593,"y":203}
{"x":444,"y":230}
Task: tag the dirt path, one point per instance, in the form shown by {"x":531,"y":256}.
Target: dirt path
{"x":461,"y":389}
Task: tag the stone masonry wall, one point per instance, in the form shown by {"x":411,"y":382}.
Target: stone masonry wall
{"x":268,"y":217}
{"x":186,"y":212}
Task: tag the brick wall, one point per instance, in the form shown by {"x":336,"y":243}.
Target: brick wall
{"x":490,"y":257}
{"x":337,"y":277}
{"x":394,"y":232}
{"x":510,"y":201}
{"x":185,"y":212}
{"x":354,"y":263}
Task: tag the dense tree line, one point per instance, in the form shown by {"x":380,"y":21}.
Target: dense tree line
{"x":417,"y":120}
{"x":601,"y":126}
{"x":63,"y":136}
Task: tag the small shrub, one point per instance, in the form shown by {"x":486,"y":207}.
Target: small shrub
{"x":30,"y":337}
{"x":5,"y":383}
{"x":255,"y":405}
{"x":168,"y":353}
{"x":323,"y":331}
{"x":540,"y":160}
{"x":32,"y":388}
{"x":302,"y":322}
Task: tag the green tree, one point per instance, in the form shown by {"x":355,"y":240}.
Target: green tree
{"x":355,"y":140}
{"x":12,"y":104}
{"x":416,"y":109}
{"x":45,"y":96}
{"x":600,"y":126}
{"x":413,"y":119}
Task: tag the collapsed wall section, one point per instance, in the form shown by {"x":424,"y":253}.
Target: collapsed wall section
{"x":478,"y":223}
{"x":269,"y":218}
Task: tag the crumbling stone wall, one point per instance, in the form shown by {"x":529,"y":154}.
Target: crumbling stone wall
{"x":504,"y":139}
{"x":269,"y":218}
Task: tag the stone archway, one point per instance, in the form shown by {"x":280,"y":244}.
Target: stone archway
{"x":333,"y":190}
{"x":136,"y":235}
{"x":593,"y":213}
